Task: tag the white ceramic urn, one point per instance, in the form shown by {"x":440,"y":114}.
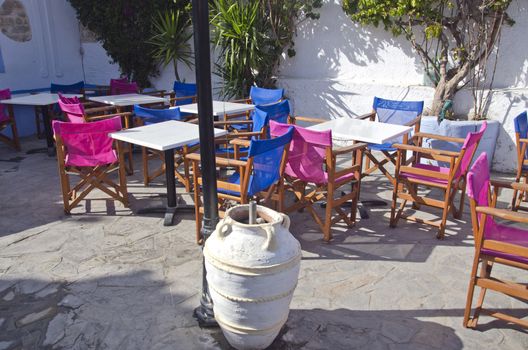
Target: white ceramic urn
{"x":252,"y":272}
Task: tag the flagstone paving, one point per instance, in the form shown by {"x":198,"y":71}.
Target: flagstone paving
{"x":106,"y":278}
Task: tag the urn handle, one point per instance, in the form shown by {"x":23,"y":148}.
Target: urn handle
{"x":270,"y":243}
{"x":285,"y":221}
{"x":224,"y":227}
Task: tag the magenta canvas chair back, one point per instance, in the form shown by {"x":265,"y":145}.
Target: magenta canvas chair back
{"x":478,"y":189}
{"x":88,"y":144}
{"x":4,"y":95}
{"x":122,"y":86}
{"x":72,"y":108}
{"x":307,"y":152}
{"x":470,"y":145}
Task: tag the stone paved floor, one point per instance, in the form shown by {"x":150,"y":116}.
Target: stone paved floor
{"x":106,"y":278}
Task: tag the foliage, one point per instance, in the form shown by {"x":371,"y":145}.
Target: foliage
{"x":124,"y":27}
{"x":458,"y":35}
{"x":173,"y":30}
{"x":251,"y":36}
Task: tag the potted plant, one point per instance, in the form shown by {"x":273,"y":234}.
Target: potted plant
{"x":454,"y":41}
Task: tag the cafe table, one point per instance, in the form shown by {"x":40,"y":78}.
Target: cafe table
{"x":219,"y":108}
{"x":44,"y":99}
{"x":166,"y":136}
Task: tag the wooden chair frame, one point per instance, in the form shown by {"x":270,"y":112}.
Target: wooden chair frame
{"x":522,"y":161}
{"x":306,"y":194}
{"x":388,"y":156}
{"x":484,"y":280}
{"x":90,"y":178}
{"x":14,"y":141}
{"x":245,"y":169}
{"x":406,"y":189}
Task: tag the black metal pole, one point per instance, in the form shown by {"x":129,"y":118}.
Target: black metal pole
{"x":200,"y":12}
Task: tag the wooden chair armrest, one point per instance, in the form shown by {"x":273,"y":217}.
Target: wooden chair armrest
{"x":155,"y":92}
{"x":414,"y":121}
{"x":240,"y":142}
{"x":232,"y":122}
{"x":507,"y":184}
{"x":219,"y":160}
{"x":371,"y":116}
{"x":523,"y":140}
{"x":349,"y":149}
{"x":504,"y":214}
{"x":93,"y":110}
{"x":106,"y":116}
{"x":307,"y":119}
{"x":179,"y":98}
{"x":439,"y":137}
{"x":425,"y":150}
{"x":241,"y":100}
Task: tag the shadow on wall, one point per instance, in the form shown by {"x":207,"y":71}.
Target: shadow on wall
{"x":334,"y":48}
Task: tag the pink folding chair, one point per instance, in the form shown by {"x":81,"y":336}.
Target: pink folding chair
{"x":495,"y":243}
{"x":312,"y":175}
{"x":7,"y":119}
{"x":450,"y":180}
{"x":72,"y":108}
{"x":86,"y":150}
{"x":120,"y":87}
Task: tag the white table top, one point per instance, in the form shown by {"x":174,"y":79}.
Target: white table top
{"x":126,"y":100}
{"x":41,"y":99}
{"x":219,"y":108}
{"x":163,"y":136}
{"x":350,"y":129}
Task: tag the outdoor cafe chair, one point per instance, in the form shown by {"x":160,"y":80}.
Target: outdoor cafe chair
{"x":312,"y":175}
{"x":258,"y":97}
{"x":122,"y":86}
{"x":495,"y":244}
{"x":7,"y":120}
{"x":449,"y":179}
{"x":407,"y":113}
{"x":74,"y":111}
{"x":86,"y":150}
{"x":183,"y":94}
{"x":152,"y":116}
{"x":521,"y":140}
{"x":256,"y":177}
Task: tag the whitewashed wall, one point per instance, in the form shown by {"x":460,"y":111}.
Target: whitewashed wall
{"x":339,"y":67}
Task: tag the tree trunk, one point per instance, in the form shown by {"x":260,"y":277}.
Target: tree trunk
{"x":442,"y":93}
{"x":175,"y":64}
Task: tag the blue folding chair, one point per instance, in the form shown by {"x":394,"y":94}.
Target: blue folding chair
{"x":184,"y":93}
{"x":521,"y":140}
{"x":278,"y":111}
{"x":75,"y":88}
{"x":153,"y":116}
{"x":256,"y":177}
{"x":408,"y":113}
{"x":262,"y":96}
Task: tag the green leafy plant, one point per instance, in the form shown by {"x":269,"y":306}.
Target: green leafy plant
{"x":453,"y":38}
{"x":251,"y":36}
{"x":124,"y":28}
{"x":173,"y":30}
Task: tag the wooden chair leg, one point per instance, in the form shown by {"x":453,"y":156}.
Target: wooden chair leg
{"x":130,"y":160}
{"x":471,"y":291}
{"x":447,"y":200}
{"x":327,"y":231}
{"x":145,"y":158}
{"x":122,"y":174}
{"x":393,"y":220}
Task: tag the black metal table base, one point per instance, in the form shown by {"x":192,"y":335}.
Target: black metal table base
{"x":169,"y":212}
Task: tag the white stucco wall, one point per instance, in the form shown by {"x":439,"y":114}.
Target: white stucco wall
{"x":339,"y":67}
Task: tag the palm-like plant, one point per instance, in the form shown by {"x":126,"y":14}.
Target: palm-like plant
{"x":171,"y":39}
{"x":239,"y":35}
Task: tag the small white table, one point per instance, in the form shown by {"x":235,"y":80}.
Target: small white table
{"x":127,"y":100}
{"x":350,"y":129}
{"x":44,"y":99}
{"x":219,"y":108}
{"x":165,"y":136}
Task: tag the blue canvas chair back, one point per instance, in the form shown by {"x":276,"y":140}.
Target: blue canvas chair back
{"x":397,"y":112}
{"x":267,"y":157}
{"x":262,"y":96}
{"x":182,"y":90}
{"x":75,"y":88}
{"x":153,"y":116}
{"x":521,"y":127}
{"x":278,"y":112}
{"x":260,"y":120}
